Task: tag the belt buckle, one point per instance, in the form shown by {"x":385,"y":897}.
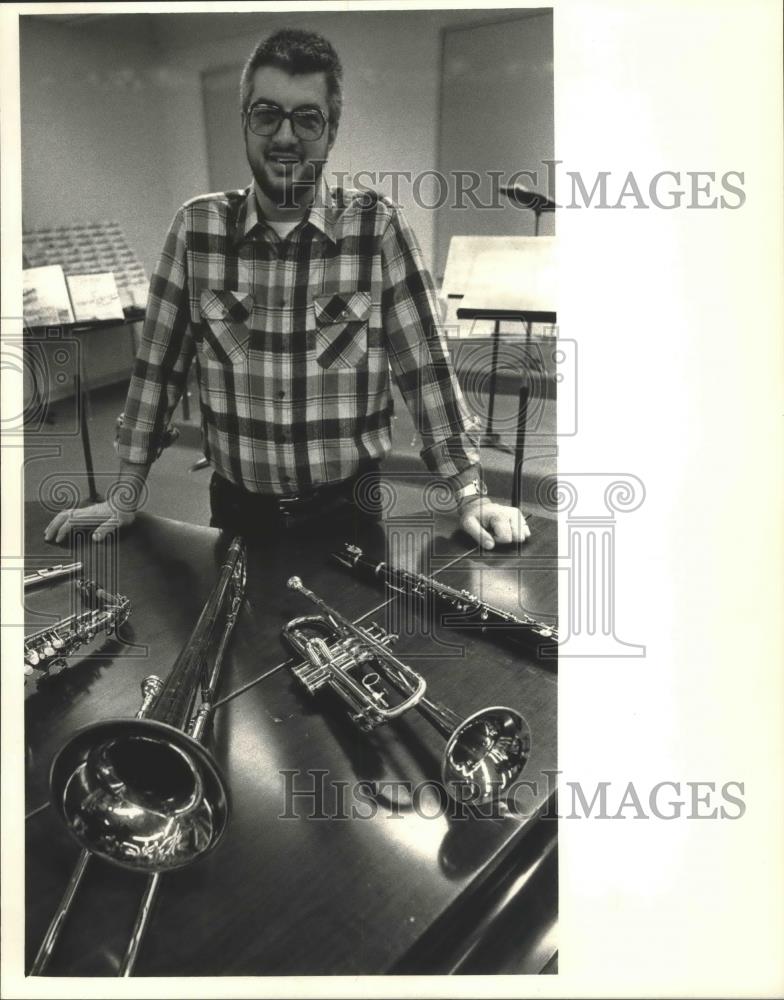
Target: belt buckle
{"x":285,"y":504}
{"x":300,"y":503}
{"x":296,"y":505}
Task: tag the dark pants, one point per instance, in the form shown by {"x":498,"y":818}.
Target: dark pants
{"x":238,"y":511}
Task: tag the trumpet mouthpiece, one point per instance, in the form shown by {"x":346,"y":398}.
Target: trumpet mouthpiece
{"x":294,"y":583}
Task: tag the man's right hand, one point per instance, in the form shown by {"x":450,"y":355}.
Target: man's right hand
{"x":105,"y":516}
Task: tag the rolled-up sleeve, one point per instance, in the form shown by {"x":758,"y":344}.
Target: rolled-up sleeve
{"x":420,"y":360}
{"x":164,"y":355}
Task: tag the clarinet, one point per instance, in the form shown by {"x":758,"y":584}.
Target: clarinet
{"x":522,"y":629}
{"x":45,"y":650}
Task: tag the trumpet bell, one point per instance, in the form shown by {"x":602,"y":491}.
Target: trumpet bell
{"x":140,"y":793}
{"x":485,"y":754}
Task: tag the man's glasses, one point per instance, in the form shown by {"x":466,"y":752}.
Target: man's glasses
{"x":306,"y":123}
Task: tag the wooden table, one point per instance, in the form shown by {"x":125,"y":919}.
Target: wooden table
{"x":293,"y":888}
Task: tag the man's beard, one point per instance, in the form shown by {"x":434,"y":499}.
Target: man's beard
{"x":285,"y":191}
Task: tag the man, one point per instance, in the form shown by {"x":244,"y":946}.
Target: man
{"x":295,"y":301}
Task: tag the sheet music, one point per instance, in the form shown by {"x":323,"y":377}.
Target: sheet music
{"x":519,"y":277}
{"x":90,"y":248}
{"x":94,"y":297}
{"x":45,"y":296}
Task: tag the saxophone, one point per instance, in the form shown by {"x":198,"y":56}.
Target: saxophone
{"x":45,"y":651}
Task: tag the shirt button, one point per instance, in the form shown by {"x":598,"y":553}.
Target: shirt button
{"x":281,"y":303}
{"x":281,"y":394}
{"x":282,"y":438}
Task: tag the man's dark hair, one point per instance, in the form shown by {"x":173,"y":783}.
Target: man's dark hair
{"x":296,"y":51}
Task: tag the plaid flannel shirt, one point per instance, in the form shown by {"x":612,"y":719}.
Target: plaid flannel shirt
{"x":294,"y":340}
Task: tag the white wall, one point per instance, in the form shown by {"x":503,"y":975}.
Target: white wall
{"x":93,"y":139}
{"x":497,"y":115}
{"x":94,"y":147}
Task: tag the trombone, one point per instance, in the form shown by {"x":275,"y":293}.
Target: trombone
{"x":144,"y":793}
{"x":484,"y":753}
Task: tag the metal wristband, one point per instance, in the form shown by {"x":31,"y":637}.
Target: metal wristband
{"x":471,"y":491}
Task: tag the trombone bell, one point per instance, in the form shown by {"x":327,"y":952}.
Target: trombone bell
{"x":140,"y":794}
{"x":144,"y":793}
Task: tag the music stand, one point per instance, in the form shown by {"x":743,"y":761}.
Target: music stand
{"x":538,"y":203}
{"x":517,"y":284}
{"x":81,"y":382}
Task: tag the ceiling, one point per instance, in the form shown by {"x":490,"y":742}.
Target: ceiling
{"x":170,"y":29}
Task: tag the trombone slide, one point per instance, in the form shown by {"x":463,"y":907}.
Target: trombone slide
{"x":144,"y":793}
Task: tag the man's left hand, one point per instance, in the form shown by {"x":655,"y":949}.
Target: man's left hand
{"x":490,"y":523}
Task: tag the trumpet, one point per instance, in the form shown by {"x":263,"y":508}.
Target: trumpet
{"x":144,"y":793}
{"x":484,"y":752}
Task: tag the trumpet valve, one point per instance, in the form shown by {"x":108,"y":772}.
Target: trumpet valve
{"x":371,"y":683}
{"x":364,"y":720}
{"x":380,"y":635}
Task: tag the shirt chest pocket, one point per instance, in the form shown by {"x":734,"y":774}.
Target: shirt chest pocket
{"x":342,"y":328}
{"x":225,"y":323}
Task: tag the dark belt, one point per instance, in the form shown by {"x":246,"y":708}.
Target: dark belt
{"x":237,"y":509}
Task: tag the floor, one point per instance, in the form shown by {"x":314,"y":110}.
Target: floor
{"x":55,"y":464}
